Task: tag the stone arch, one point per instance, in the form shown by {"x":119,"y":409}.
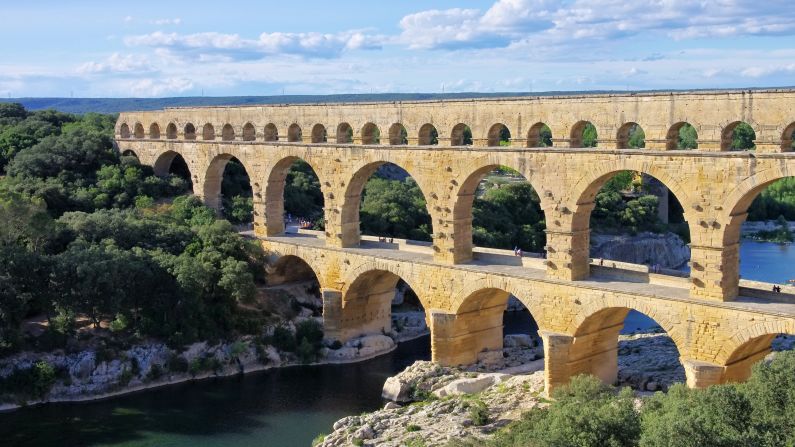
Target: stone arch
{"x":319,"y":134}
{"x":274,"y":193}
{"x":398,"y":135}
{"x":624,"y":134}
{"x":577,"y":134}
{"x":271,"y":133}
{"x":228,"y":133}
{"x":371,"y":134}
{"x":428,"y":135}
{"x":535,"y":135}
{"x":129,"y":153}
{"x":497,"y":135}
{"x":788,"y":138}
{"x":139,"y":131}
{"x":294,"y":133}
{"x":344,"y":133}
{"x":214,"y":176}
{"x":727,"y":134}
{"x":594,"y":348}
{"x":163,"y":165}
{"x":749,"y":346}
{"x":672,"y":137}
{"x":290,"y":268}
{"x":124,"y":130}
{"x":249,"y":132}
{"x":190,"y":131}
{"x":351,"y":205}
{"x":154,"y":131}
{"x":461,"y":135}
{"x":171,"y":131}
{"x":208,"y":132}
{"x":462,"y":208}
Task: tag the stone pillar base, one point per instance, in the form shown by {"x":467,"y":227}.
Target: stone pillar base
{"x":702,"y":374}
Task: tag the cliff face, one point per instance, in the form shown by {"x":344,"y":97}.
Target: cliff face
{"x":667,"y":250}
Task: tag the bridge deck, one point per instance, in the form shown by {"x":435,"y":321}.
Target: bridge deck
{"x":606,"y":282}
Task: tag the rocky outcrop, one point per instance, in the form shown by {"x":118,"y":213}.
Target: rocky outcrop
{"x":667,"y":250}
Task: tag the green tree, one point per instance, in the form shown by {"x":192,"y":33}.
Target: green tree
{"x":688,"y":138}
{"x":396,"y":209}
{"x":589,"y":136}
{"x":743,"y":137}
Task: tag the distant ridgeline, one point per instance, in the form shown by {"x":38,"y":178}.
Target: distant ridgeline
{"x":116,"y":105}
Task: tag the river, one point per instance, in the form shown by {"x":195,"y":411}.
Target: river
{"x":279,"y":408}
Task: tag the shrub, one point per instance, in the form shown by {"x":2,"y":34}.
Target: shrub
{"x":479,"y":413}
{"x":311,"y":330}
{"x":412,"y":428}
{"x":283,"y":339}
{"x":155,"y":372}
{"x":29,"y":383}
{"x":318,"y":440}
{"x":177,"y":364}
{"x":119,"y":324}
{"x":125,"y":377}
{"x":306,"y":351}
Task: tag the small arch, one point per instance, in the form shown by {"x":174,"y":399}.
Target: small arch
{"x":398,"y":135}
{"x":129,"y":153}
{"x":539,"y":135}
{"x":139,"y":131}
{"x":344,"y":134}
{"x":154,"y":131}
{"x":499,"y":135}
{"x":681,"y":136}
{"x":294,"y":133}
{"x":249,"y":132}
{"x":461,"y":135}
{"x":630,"y":136}
{"x":319,"y":134}
{"x":428,"y":136}
{"x":171,"y":131}
{"x":371,"y":134}
{"x":124,"y":130}
{"x":738,"y":136}
{"x":190,"y":131}
{"x":788,"y":139}
{"x":583,"y":134}
{"x":271,"y":133}
{"x":208,"y":132}
{"x":228,"y":133}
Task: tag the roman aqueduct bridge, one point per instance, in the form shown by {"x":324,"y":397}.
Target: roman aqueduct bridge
{"x":720,"y":324}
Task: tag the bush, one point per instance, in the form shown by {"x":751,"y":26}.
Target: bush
{"x":311,"y":330}
{"x":125,"y":377}
{"x":306,"y":351}
{"x":155,"y":372}
{"x":412,"y":428}
{"x":119,"y":324}
{"x":177,"y":364}
{"x":479,"y":413}
{"x":29,"y":383}
{"x":283,"y":339}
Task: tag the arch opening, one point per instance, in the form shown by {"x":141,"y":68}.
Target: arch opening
{"x":139,"y":131}
{"x":583,"y":134}
{"x":130,"y":153}
{"x":124,"y":130}
{"x":788,"y":139}
{"x":539,"y":135}
{"x":270,"y":133}
{"x":614,"y":344}
{"x":461,"y":135}
{"x":428,"y":136}
{"x":499,"y":135}
{"x":294,"y":133}
{"x":738,"y":136}
{"x":287,"y":278}
{"x":758,"y":348}
{"x":171,"y":131}
{"x":249,"y":132}
{"x":681,"y":136}
{"x":172,"y":163}
{"x":319,"y":134}
{"x":630,"y":136}
{"x":398,"y":135}
{"x":344,"y":134}
{"x":293,"y":198}
{"x":208,"y":132}
{"x":154,"y":131}
{"x":371,"y":134}
{"x":190,"y":131}
{"x":227,"y":133}
{"x":237,"y":202}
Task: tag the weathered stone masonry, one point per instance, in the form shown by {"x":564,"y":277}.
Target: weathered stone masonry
{"x":346,"y":143}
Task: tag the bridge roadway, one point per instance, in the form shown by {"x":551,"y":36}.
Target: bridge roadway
{"x":579,"y":320}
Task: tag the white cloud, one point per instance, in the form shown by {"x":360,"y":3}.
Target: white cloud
{"x":117,"y":63}
{"x":162,"y":22}
{"x":150,"y":87}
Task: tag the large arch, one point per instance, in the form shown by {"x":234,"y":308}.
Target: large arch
{"x":319,"y":134}
{"x":249,"y":132}
{"x":292,"y":268}
{"x":351,"y":205}
{"x":625,"y":134}
{"x":139,"y":131}
{"x":213,"y":179}
{"x":461,"y":135}
{"x":344,"y":133}
{"x":294,"y":133}
{"x":171,"y":131}
{"x":748,"y":347}
{"x":154,"y":131}
{"x":537,"y":135}
{"x":398,"y":135}
{"x":228,"y":133}
{"x":190,"y":131}
{"x":499,"y":135}
{"x":674,"y":138}
{"x":274,"y":194}
{"x":166,"y":163}
{"x":366,"y":305}
{"x":208,"y":132}
{"x":371,"y":134}
{"x":124,"y":130}
{"x":577,"y":136}
{"x":428,"y":135}
{"x":271,"y":133}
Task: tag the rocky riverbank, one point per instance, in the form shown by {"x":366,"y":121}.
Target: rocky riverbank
{"x":667,"y":250}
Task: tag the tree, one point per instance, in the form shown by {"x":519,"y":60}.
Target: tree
{"x":743,"y":137}
{"x":688,"y":138}
{"x":637,"y":138}
{"x":394,"y":208}
{"x":589,"y":137}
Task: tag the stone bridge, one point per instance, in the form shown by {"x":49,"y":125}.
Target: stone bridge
{"x":720,"y":327}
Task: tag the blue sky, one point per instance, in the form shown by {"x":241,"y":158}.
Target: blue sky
{"x":178,"y":48}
